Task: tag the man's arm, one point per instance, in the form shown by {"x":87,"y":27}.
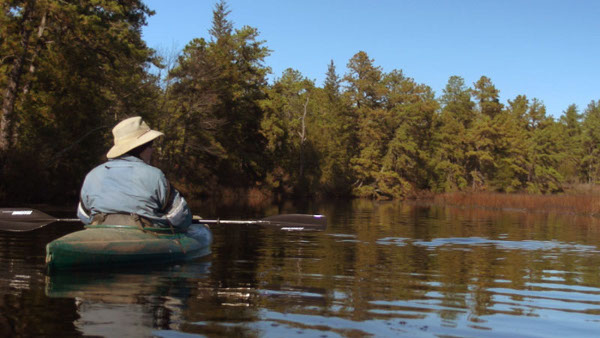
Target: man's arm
{"x":175,"y":207}
{"x":84,"y":214}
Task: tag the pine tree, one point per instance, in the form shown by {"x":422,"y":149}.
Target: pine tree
{"x":571,"y":131}
{"x":287,"y":124}
{"x":545,"y":148}
{"x":510,"y":151}
{"x":73,"y":70}
{"x":483,"y":135}
{"x":487,"y":97}
{"x":364,"y":87}
{"x":456,"y":118}
{"x":332,"y":84}
{"x":590,"y":162}
{"x":189,"y":119}
{"x":221,"y":84}
{"x":335,"y":136}
{"x":222,"y":28}
{"x":364,"y":92}
{"x":411,"y":108}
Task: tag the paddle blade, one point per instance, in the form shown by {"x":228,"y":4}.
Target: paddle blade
{"x":297,"y":222}
{"x":23,"y":219}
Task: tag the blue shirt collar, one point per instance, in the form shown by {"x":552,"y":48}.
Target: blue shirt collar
{"x":128,"y":158}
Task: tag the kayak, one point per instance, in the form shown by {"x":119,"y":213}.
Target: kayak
{"x":117,"y":245}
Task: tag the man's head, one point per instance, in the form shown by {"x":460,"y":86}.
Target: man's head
{"x":130,"y":134}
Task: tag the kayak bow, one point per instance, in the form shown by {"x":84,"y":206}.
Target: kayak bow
{"x":115,"y":245}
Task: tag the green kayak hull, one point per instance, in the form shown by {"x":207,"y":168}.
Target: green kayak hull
{"x":117,"y":245}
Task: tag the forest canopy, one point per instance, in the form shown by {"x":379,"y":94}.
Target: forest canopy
{"x":70,"y":70}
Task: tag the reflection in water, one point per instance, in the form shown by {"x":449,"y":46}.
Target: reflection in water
{"x":469,"y":242}
{"x":382,"y":269}
{"x":132,"y":302}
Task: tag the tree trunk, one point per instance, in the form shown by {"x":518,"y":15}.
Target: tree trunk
{"x":302,"y":135}
{"x":12,"y":130}
{"x":36,"y":51}
{"x":7,"y":118}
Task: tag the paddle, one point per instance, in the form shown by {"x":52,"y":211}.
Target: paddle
{"x":295,"y":222}
{"x":24,"y":219}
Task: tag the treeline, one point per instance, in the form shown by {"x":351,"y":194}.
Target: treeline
{"x":70,"y":70}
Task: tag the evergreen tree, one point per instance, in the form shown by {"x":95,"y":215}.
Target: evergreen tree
{"x":240,"y":87}
{"x":517,"y":108}
{"x":483,"y":135}
{"x":189,"y":120}
{"x":571,"y":131}
{"x":287,"y":124}
{"x":364,"y":92}
{"x":334,"y":136}
{"x":221,"y":84}
{"x":457,"y":102}
{"x":487,"y":97}
{"x":332,"y":84}
{"x":480,"y":140}
{"x":412,"y":108}
{"x":73,"y":70}
{"x":534,"y":151}
{"x":510,"y":150}
{"x":456,"y":118}
{"x":222,"y":28}
{"x":590,"y":162}
{"x":394,"y":130}
{"x":511,"y":154}
{"x":364,"y":87}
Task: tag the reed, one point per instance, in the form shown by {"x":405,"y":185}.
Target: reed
{"x":574,"y":202}
{"x":252,"y":197}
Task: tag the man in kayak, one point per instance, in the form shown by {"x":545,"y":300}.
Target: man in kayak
{"x":127,"y":190}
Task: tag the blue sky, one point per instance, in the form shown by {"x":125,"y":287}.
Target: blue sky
{"x":544,"y":49}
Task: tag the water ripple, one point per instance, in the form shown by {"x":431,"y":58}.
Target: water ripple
{"x":506,"y":244}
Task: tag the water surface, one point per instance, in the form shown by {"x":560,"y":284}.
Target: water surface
{"x":380,"y":269}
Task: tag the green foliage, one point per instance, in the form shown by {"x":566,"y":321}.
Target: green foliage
{"x":287,"y":127}
{"x":571,"y":134}
{"x":394,"y":127}
{"x":449,"y":160}
{"x":70,"y":70}
{"x":590,"y":161}
{"x":212,"y":109}
{"x":334,"y":136}
{"x":511,"y":154}
{"x":74,"y":68}
{"x":546,"y":147}
{"x":487,"y":97}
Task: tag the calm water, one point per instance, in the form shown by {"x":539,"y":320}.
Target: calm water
{"x":381,"y":269}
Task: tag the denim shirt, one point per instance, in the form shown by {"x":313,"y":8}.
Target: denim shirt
{"x":128,"y":185}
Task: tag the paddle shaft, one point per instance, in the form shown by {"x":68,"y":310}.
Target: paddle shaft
{"x":22,"y":219}
{"x":66,"y":220}
{"x":194,"y":221}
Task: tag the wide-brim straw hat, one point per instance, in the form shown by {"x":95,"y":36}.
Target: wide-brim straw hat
{"x":129,"y":134}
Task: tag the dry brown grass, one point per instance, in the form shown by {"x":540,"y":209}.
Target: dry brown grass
{"x":252,"y":197}
{"x":573,"y":202}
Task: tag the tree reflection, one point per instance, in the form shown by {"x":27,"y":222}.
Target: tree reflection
{"x":381,"y":269}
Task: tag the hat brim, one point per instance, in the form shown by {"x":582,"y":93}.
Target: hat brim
{"x":118,"y":150}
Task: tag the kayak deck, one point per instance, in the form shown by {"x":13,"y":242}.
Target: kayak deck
{"x":111,"y":245}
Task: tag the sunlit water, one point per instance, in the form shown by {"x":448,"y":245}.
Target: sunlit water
{"x":380,"y":269}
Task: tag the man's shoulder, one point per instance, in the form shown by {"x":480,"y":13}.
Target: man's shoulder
{"x":150,"y":170}
{"x":143,"y":169}
{"x":124,"y":163}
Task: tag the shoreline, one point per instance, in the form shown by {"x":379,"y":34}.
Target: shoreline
{"x":579,"y":203}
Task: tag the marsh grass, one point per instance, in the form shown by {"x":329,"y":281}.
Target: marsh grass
{"x":577,"y":200}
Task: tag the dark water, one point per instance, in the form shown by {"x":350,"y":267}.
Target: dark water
{"x":381,"y":269}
